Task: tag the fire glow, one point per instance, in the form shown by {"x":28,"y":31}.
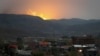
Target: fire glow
{"x":44,"y":16}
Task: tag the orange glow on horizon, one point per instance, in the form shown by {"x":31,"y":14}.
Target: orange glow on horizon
{"x":44,"y":16}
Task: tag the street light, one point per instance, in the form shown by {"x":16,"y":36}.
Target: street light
{"x":80,"y":50}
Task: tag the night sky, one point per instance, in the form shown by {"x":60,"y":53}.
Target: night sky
{"x":85,"y":9}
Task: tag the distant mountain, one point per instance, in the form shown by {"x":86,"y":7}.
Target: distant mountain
{"x":30,"y":24}
{"x":89,"y":28}
{"x":76,"y":26}
{"x":73,"y":21}
{"x":35,"y":26}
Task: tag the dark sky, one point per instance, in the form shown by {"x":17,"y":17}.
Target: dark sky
{"x":85,"y":9}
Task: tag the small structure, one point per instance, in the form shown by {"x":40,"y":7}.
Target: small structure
{"x":84,"y":46}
